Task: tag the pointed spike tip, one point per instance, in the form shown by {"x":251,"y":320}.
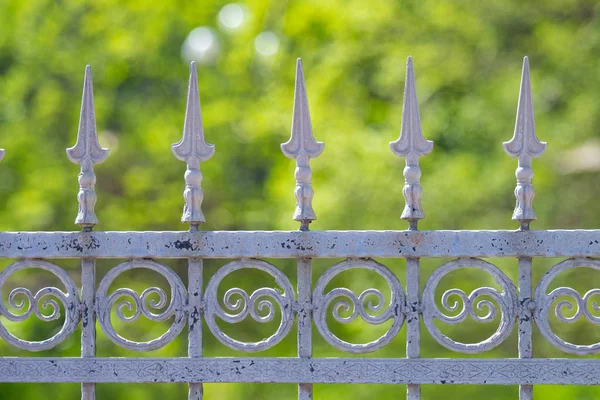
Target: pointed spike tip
{"x":525,"y":141}
{"x":411,"y":142}
{"x":410,"y":75}
{"x":299,"y":69}
{"x":525,"y":66}
{"x":87,"y":78}
{"x":302,"y":139}
{"x":525,"y":89}
{"x":192,"y":148}
{"x":87,"y":138}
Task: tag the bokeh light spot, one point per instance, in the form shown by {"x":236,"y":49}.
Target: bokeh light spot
{"x":266,"y":44}
{"x":201,"y":45}
{"x":232,"y":16}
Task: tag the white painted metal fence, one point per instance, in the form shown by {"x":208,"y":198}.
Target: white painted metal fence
{"x":523,"y":303}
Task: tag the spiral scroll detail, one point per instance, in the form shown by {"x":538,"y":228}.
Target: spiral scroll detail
{"x":369,"y":305}
{"x":152,"y":303}
{"x":572,"y":302}
{"x":45,"y":304}
{"x":475,"y":304}
{"x":261,"y":305}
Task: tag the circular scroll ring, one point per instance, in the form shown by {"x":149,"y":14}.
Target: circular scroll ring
{"x":255,"y":305}
{"x":68,"y":298}
{"x":142,"y":304}
{"x":350,"y":302}
{"x":544,"y":301}
{"x":507,"y":301}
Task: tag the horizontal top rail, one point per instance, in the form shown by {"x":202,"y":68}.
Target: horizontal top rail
{"x":294,"y":244}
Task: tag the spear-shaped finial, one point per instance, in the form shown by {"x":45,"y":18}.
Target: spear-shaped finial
{"x":411,"y":145}
{"x":87,"y":152}
{"x":525,"y":145}
{"x":193,"y":149}
{"x":302,"y":146}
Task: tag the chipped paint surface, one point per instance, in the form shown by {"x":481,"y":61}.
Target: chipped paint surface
{"x":293,"y":370}
{"x":193,"y":305}
{"x":293,"y":244}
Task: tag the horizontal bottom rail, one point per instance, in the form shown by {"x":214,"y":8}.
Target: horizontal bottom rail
{"x":297,"y":370}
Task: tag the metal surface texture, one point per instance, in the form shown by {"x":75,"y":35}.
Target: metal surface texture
{"x":298,"y":244}
{"x":291,"y":370}
{"x":520,"y":305}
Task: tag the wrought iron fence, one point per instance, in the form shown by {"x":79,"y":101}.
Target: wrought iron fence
{"x":512,"y":304}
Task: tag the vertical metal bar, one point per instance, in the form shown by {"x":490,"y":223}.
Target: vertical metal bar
{"x":88,"y":320}
{"x":194,"y":322}
{"x":305,"y":390}
{"x":411,"y":145}
{"x":413,"y":321}
{"x":525,"y":320}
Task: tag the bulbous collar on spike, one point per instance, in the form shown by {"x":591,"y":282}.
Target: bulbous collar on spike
{"x":524,"y":143}
{"x":302,"y":146}
{"x":192,"y":148}
{"x":411,"y":145}
{"x":87,"y":150}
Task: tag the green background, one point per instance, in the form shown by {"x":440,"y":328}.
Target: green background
{"x":467,"y":58}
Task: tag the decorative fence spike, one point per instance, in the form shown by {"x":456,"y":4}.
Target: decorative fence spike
{"x":525,"y":145}
{"x":87,"y":152}
{"x":193,"y":149}
{"x":302,"y":146}
{"x":314,"y":306}
{"x":411,"y":145}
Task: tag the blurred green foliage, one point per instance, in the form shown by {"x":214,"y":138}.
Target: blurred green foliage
{"x":467,"y":60}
